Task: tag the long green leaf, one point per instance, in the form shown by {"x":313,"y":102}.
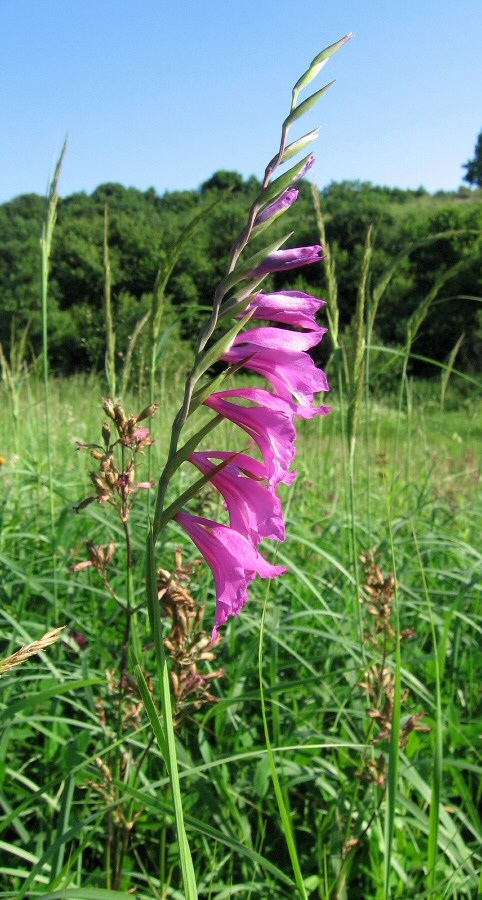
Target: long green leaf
{"x":438,"y":736}
{"x":169,"y":742}
{"x":285,"y":818}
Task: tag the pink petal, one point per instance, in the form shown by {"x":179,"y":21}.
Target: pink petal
{"x":270,"y":424}
{"x":233,"y":561}
{"x":281,"y":260}
{"x":281,"y":338}
{"x":291,"y":307}
{"x":254,"y":510}
{"x":290,"y":374}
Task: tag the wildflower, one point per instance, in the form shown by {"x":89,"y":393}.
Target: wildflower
{"x":284,"y":201}
{"x":281,"y":260}
{"x":233,"y":561}
{"x":270,"y":425}
{"x":99,"y":557}
{"x":254,"y":510}
{"x":281,"y":338}
{"x":281,"y":356}
{"x":289,"y":307}
{"x":310,"y":162}
{"x":299,"y":171}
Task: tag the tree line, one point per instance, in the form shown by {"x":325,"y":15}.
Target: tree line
{"x":441,"y":234}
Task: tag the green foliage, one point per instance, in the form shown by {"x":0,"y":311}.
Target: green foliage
{"x":473,"y":174}
{"x":59,"y":711}
{"x":143,"y":228}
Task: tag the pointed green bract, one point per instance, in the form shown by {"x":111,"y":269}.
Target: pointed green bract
{"x":235,"y":306}
{"x":317,"y":64}
{"x":221,"y":346}
{"x":194,"y":489}
{"x":244,"y":269}
{"x":299,"y":145}
{"x":280,"y":184}
{"x":307,"y":104}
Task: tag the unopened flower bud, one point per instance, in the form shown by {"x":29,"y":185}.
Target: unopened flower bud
{"x":109,"y":552}
{"x":108,"y":407}
{"x":106,"y":433}
{"x":108,"y":462}
{"x":175,"y":684}
{"x":97,"y":480}
{"x":148,"y":412}
{"x":120,"y":417}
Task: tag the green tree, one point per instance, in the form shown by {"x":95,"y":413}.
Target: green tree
{"x":474,"y":166}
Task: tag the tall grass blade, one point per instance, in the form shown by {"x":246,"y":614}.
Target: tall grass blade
{"x":63,"y":824}
{"x":285,"y":818}
{"x":356,"y":350}
{"x":447,"y":371}
{"x":108,"y":318}
{"x":394,"y":752}
{"x":166,"y":734}
{"x":436,"y":787}
{"x":45,"y":250}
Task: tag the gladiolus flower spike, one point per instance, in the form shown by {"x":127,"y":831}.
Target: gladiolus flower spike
{"x":281,"y":355}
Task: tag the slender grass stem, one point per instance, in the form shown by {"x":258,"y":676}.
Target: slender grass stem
{"x":285,"y":818}
{"x":45,"y":250}
{"x":437,"y":772}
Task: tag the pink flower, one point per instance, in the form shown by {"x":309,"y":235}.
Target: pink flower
{"x":284,"y":201}
{"x":233,"y":561}
{"x":281,"y":338}
{"x":254,"y":510}
{"x":281,"y":356}
{"x":306,"y":168}
{"x":281,"y":260}
{"x":291,"y":307}
{"x":270,"y":425}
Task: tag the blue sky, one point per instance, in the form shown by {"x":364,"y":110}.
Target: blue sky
{"x":157,"y":93}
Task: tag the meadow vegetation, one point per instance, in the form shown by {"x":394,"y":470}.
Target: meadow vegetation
{"x":395,"y":552}
{"x":329,"y":743}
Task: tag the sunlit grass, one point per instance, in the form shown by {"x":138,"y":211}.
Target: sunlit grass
{"x":57,"y":710}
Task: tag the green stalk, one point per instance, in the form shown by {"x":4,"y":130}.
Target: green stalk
{"x":164,"y":731}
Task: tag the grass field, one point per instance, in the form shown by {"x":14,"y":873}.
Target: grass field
{"x":349,"y":703}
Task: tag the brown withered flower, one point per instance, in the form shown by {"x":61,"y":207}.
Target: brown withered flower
{"x":115,"y":479}
{"x":187,"y":643}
